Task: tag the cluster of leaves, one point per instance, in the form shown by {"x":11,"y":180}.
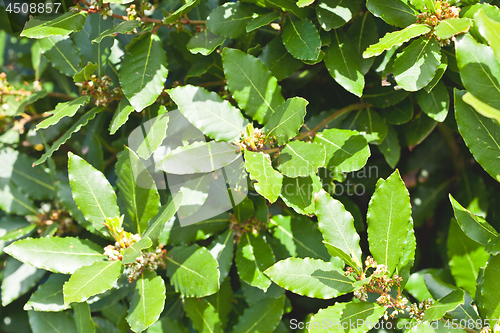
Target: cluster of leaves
{"x":315,"y":97}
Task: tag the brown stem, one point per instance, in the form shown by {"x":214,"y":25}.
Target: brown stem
{"x":60,"y":95}
{"x":146,"y":19}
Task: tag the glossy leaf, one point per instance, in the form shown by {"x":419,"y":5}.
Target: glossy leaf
{"x":301,"y":159}
{"x":14,"y":201}
{"x":120,"y":116}
{"x":91,"y":191}
{"x":67,"y":109}
{"x":435,"y":103}
{"x":183,"y":10}
{"x":56,"y":254}
{"x":479,"y":70}
{"x":417,"y":64}
{"x":84,"y":75}
{"x":448,"y":303}
{"x":49,"y":296}
{"x":17,"y":280}
{"x":475,"y":227}
{"x":383,"y":97}
{"x":481,"y":135}
{"x":67,"y":135}
{"x":298,"y":193}
{"x":388,"y":219}
{"x":208,"y":112}
{"x":277,"y":59}
{"x":418,"y":129}
{"x":342,"y":64}
{"x":310,"y":277}
{"x":253,"y":257}
{"x":143,"y":71}
{"x":204,"y":42}
{"x":193,"y":271}
{"x":229,"y":20}
{"x":262,"y":20}
{"x":199,"y":157}
{"x":83,"y":318}
{"x":439,"y":73}
{"x":123,"y":27}
{"x":203,"y":315}
{"x":262,"y":316}
{"x":333,"y":14}
{"x":394,"y":12}
{"x":165,"y":214}
{"x":91,"y":280}
{"x":396,"y":38}
{"x":139,"y":201}
{"x":363,"y":33}
{"x":269,"y":181}
{"x":345,"y":314}
{"x":252,"y":85}
{"x":488,"y":293}
{"x":489,"y":30}
{"x":45,"y":322}
{"x":346,"y":150}
{"x":59,"y":25}
{"x":62,"y":54}
{"x":222,"y":250}
{"x":286,"y":121}
{"x":452,"y":27}
{"x":301,"y":39}
{"x":465,"y":257}
{"x":369,"y":124}
{"x":337,"y":226}
{"x":390,"y":147}
{"x":147,"y":302}
{"x":134,"y":251}
{"x":483,"y":108}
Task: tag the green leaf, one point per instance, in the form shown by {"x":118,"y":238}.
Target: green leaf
{"x":310,"y":277}
{"x":299,"y":236}
{"x":121,"y":115}
{"x":369,"y":124}
{"x":475,"y":227}
{"x":301,"y":39}
{"x":62,"y":53}
{"x":483,"y":108}
{"x":479,"y":70}
{"x":203,"y":315}
{"x":204,"y":42}
{"x":83,"y":318}
{"x":488,"y":292}
{"x":446,"y":304}
{"x":252,"y":85}
{"x":341,"y":62}
{"x":143,"y":71}
{"x":363,"y":33}
{"x":364,"y":314}
{"x":388,"y":220}
{"x":91,"y":191}
{"x":333,"y":14}
{"x":262,"y":20}
{"x":49,"y":296}
{"x":58,"y":25}
{"x":34,"y":181}
{"x":67,"y":135}
{"x":346,"y":150}
{"x":123,"y":27}
{"x":84,"y":75}
{"x":277,"y":59}
{"x":301,"y":159}
{"x":148,"y":301}
{"x":208,"y":112}
{"x":390,"y":147}
{"x":416,"y":66}
{"x":299,"y":192}
{"x":269,"y":181}
{"x":489,"y":30}
{"x":199,"y":157}
{"x":134,"y":251}
{"x":14,"y":201}
{"x":99,"y":52}
{"x":56,"y":254}
{"x":291,"y":6}
{"x":466,"y":257}
{"x":67,"y":109}
{"x":481,"y":135}
{"x":435,"y":103}
{"x":139,"y":201}
{"x":230,"y":19}
{"x":253,"y":257}
{"x":222,"y":249}
{"x":337,"y":226}
{"x":17,"y":233}
{"x":452,"y":27}
{"x":439,"y":73}
{"x":396,"y":38}
{"x":51,"y":322}
{"x":91,"y":280}
{"x":157,"y":223}
{"x":304,"y":3}
{"x":383,"y":97}
{"x":193,"y":271}
{"x":18,"y":279}
{"x":285,"y":123}
{"x":32,"y":98}
{"x":394,"y":12}
{"x":146,"y":138}
{"x":418,"y":129}
{"x":262,"y":316}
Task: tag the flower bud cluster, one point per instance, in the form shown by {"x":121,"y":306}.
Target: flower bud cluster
{"x":252,"y":225}
{"x":253,"y":141}
{"x":417,"y":311}
{"x":100,"y":89}
{"x":147,"y":260}
{"x":443,"y":11}
{"x":7,"y":89}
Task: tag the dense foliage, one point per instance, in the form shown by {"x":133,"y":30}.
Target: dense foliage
{"x":250,"y":166}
